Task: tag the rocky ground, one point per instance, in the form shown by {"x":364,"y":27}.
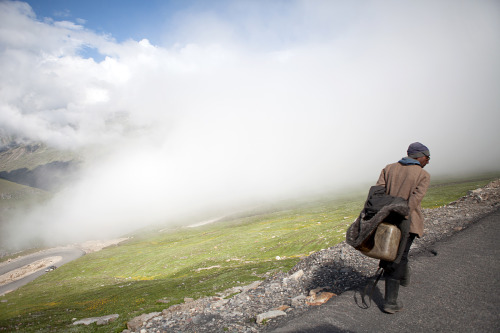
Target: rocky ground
{"x":313,"y":281}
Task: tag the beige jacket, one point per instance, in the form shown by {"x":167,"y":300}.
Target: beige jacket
{"x":409,"y":182}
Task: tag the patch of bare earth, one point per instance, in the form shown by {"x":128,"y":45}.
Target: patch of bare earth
{"x":98,"y":245}
{"x":29,"y":269}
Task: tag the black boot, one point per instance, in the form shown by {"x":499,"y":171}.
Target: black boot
{"x":391,"y":296}
{"x":405,"y":279}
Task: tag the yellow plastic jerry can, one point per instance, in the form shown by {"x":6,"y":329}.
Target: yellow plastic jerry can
{"x":383,"y":243}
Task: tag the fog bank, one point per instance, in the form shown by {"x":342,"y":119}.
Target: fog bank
{"x":247,"y":107}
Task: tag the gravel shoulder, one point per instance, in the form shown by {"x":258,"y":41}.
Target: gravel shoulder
{"x":455,"y":289}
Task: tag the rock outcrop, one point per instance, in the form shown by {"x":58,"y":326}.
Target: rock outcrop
{"x":98,"y":320}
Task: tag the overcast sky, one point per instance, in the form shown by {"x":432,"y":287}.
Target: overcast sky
{"x":215,"y":102}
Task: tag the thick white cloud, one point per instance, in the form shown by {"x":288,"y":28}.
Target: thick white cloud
{"x":261,"y":101}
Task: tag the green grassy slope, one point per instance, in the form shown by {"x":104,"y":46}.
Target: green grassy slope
{"x":14,"y":198}
{"x":13,"y":195}
{"x":130,"y":278}
{"x":31,"y":156}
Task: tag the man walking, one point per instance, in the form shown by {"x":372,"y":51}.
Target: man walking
{"x":406,"y":179}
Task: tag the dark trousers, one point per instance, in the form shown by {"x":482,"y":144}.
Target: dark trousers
{"x":397,"y":271}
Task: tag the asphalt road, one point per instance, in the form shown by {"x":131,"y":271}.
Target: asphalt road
{"x":67,"y":254}
{"x":457,"y":290}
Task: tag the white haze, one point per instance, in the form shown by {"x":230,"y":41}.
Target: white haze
{"x":265,"y":102}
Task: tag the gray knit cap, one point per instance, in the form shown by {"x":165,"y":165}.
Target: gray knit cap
{"x":417,"y":149}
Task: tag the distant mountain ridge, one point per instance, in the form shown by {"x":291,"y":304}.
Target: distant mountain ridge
{"x":46,"y":177}
{"x":35,"y":164}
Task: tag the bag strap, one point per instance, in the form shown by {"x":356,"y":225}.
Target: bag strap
{"x":369,"y":291}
